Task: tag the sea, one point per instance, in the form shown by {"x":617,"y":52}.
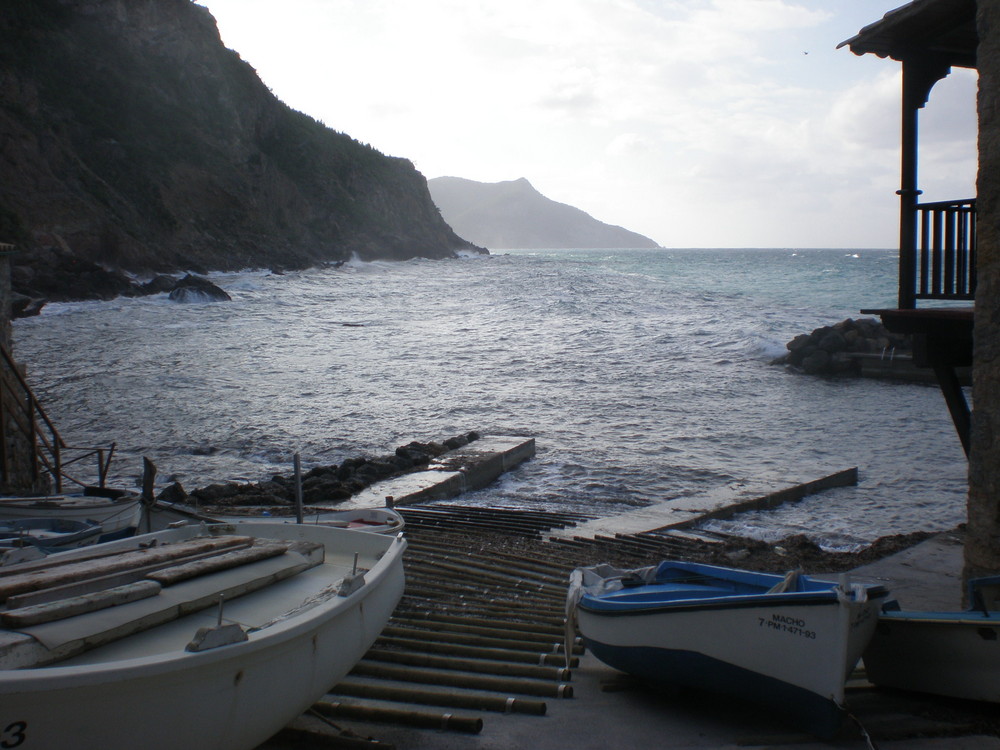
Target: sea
{"x":643,"y":375}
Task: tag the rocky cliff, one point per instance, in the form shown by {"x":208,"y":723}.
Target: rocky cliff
{"x":514,"y":214}
{"x":132,"y":139}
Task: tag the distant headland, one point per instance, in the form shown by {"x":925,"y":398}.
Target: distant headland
{"x":514,"y":214}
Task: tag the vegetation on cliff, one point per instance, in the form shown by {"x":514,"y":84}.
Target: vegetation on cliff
{"x":131,"y":138}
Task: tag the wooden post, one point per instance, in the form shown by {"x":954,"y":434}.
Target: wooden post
{"x":298,"y":489}
{"x":148,"y":482}
{"x":919,"y":76}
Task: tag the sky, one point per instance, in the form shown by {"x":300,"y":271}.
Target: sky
{"x":698,"y":123}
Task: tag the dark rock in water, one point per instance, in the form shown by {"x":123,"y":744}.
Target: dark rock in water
{"x":817,"y":362}
{"x":215,"y":492}
{"x":160,"y":284}
{"x":832,"y":342}
{"x":253,"y":499}
{"x":831,"y":350}
{"x":799,"y":342}
{"x":456,"y":442}
{"x":22,"y":306}
{"x":197,"y":289}
{"x":55,"y":274}
{"x":326,"y":485}
{"x":325,"y":492}
{"x":173,"y":493}
{"x":278,"y":489}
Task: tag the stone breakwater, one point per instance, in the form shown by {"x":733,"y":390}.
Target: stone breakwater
{"x":838,"y":349}
{"x":321,"y":485}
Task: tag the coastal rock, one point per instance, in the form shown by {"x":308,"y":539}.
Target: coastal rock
{"x":830,"y":350}
{"x":22,"y":306}
{"x":159,"y":284}
{"x":325,"y":491}
{"x":326,"y":485}
{"x":196,"y":289}
{"x":173,"y":493}
{"x":816,"y":362}
{"x":215,"y":493}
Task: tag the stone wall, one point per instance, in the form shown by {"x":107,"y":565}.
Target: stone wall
{"x":17,"y":476}
{"x":982,"y":552}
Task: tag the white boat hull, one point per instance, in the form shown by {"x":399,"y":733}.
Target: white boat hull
{"x":954,"y":654}
{"x":790,"y":652}
{"x":118,"y":517}
{"x":810,"y":648}
{"x":147,"y":691}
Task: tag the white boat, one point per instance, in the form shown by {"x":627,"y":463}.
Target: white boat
{"x":47,"y":535}
{"x":787,"y":643}
{"x":956,"y":654}
{"x":160,"y":666}
{"x":117,"y":512}
{"x":374,"y":520}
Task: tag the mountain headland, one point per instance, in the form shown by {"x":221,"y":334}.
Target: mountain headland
{"x":132,"y":140}
{"x":514,"y":214}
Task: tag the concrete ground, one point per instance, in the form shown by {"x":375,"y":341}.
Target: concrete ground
{"x":609,"y":711}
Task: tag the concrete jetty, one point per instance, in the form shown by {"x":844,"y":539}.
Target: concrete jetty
{"x":464,"y":469}
{"x":682,"y":513}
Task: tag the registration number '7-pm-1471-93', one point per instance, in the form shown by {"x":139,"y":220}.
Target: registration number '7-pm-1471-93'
{"x":14,"y":734}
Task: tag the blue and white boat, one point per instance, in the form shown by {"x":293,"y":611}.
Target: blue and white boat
{"x":784,"y":642}
{"x":956,"y":654}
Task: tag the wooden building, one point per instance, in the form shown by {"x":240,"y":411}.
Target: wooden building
{"x":949,"y":251}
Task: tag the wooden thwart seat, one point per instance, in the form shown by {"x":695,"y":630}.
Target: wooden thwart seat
{"x":51,"y":631}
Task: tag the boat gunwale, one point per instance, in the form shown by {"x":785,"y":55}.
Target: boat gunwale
{"x":274,"y":636}
{"x":965,"y":617}
{"x":731,"y":601}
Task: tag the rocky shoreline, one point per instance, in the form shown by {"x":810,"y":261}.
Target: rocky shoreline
{"x":320,"y":485}
{"x":69,"y":278}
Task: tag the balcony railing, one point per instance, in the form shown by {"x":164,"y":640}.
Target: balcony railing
{"x":945,"y":262}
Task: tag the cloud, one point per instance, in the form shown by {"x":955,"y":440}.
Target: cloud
{"x":692,"y":121}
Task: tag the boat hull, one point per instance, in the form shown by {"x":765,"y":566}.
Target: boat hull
{"x":228,"y":698}
{"x":789,"y":653}
{"x":48,"y":534}
{"x":118,"y":516}
{"x":953,"y":654}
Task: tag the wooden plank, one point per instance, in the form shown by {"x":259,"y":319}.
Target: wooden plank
{"x":55,"y":641}
{"x":177,"y":573}
{"x":98,"y":583}
{"x":78,"y":605}
{"x":74,"y":571}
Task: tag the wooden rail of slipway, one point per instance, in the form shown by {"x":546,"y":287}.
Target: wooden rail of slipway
{"x":479,"y":632}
